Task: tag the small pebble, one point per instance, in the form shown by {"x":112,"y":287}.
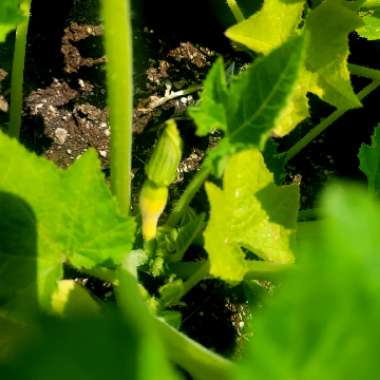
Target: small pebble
{"x":103,"y":153}
{"x":61,"y":135}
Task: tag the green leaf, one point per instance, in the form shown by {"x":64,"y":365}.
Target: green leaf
{"x":369,"y":156}
{"x":76,"y":215}
{"x":210,"y":113}
{"x":328,"y":51}
{"x":10,"y":16}
{"x":255,"y":98}
{"x":325,"y":71}
{"x":270,"y":27}
{"x":250,"y":213}
{"x":371,"y":28}
{"x":325,"y":316}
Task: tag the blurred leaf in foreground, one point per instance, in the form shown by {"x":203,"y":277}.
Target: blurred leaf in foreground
{"x":324,"y":321}
{"x":88,"y":349}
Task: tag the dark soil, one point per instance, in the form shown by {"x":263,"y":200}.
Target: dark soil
{"x":65,"y":114}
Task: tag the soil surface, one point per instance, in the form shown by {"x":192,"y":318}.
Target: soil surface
{"x":65,"y":114}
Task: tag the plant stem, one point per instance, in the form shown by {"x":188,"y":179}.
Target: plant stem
{"x":325,"y":123}
{"x":118,"y":45}
{"x":200,"y":362}
{"x":17,"y":78}
{"x":365,"y":72}
{"x":188,"y":195}
{"x":236,"y":11}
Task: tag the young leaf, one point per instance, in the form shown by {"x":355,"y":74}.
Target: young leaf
{"x":257,"y":97}
{"x":76,"y":215}
{"x":369,"y":156}
{"x":253,"y":102}
{"x":250,"y":213}
{"x":326,"y":314}
{"x":270,"y":27}
{"x":10,"y":16}
{"x":371,"y":28}
{"x":210,"y":113}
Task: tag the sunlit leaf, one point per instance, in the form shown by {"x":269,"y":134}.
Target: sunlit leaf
{"x":76,"y":216}
{"x":255,"y":99}
{"x":249,"y":213}
{"x":325,"y":71}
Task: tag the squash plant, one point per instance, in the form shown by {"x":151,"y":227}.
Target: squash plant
{"x":52,"y":218}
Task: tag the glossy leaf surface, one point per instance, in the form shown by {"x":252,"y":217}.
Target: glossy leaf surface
{"x":249,"y":213}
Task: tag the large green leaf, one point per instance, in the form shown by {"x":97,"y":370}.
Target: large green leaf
{"x":323,"y":323}
{"x":252,"y":104}
{"x":76,"y":216}
{"x":325,"y":71}
{"x":249,"y":213}
{"x":10,"y":16}
{"x":369,"y":156}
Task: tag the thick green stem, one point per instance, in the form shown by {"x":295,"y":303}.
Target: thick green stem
{"x":200,"y":362}
{"x":236,"y":11}
{"x":118,"y":45}
{"x":325,"y":123}
{"x":188,"y":195}
{"x":17,"y":79}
